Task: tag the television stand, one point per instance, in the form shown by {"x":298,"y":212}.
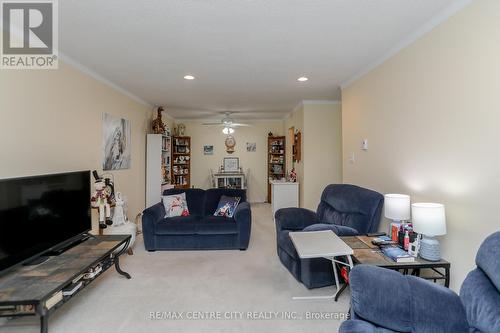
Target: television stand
{"x":55,"y":281}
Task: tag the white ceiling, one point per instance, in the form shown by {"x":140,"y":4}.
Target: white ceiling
{"x":245,"y":54}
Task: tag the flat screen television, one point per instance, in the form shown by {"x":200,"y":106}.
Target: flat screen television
{"x":42,"y":213}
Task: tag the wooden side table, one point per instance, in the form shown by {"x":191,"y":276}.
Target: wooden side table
{"x":367,"y":253}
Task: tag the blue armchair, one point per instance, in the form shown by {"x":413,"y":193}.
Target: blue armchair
{"x":386,"y":301}
{"x":345,"y":209}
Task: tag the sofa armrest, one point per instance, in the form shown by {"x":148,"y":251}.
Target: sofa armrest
{"x":150,"y":216}
{"x":294,"y":219}
{"x":243,"y":217}
{"x":404,"y":303}
{"x":361,"y":326}
{"x":339,"y":230}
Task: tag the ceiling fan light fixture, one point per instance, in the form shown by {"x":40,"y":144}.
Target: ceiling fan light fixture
{"x":302,"y":79}
{"x":188,"y":77}
{"x":227,"y":130}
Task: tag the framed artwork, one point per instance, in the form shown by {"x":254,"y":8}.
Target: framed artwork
{"x":251,"y":147}
{"x":208,"y":150}
{"x":231,"y":164}
{"x":116,"y":144}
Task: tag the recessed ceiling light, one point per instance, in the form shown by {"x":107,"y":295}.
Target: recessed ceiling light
{"x":302,"y":79}
{"x":189,"y":77}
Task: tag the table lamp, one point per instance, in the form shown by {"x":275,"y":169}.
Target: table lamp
{"x":429,"y":220}
{"x":397,"y":207}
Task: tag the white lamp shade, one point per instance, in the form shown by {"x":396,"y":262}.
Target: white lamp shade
{"x":428,"y":218}
{"x":397,"y":207}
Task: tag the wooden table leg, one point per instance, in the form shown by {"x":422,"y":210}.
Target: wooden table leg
{"x":447,"y":277}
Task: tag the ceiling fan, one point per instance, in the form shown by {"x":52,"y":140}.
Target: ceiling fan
{"x":228,"y":123}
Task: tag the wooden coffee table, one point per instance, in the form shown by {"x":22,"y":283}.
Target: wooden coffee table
{"x":364,"y":252}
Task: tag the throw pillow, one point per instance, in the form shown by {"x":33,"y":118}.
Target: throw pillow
{"x":227,"y":206}
{"x":175,"y":205}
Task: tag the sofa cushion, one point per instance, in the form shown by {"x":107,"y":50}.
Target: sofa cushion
{"x":216,"y":225}
{"x":285,"y":242}
{"x":175,"y":205}
{"x":351,"y":206}
{"x":213,"y":196}
{"x":227,"y":206}
{"x":195,"y":198}
{"x":180,"y":225}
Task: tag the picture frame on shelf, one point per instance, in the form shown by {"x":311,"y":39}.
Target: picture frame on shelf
{"x":231,"y":164}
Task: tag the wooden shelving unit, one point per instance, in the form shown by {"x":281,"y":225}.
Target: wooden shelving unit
{"x":276,"y":160}
{"x":181,"y":161}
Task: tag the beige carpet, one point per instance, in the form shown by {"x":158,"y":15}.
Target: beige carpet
{"x":250,"y":286}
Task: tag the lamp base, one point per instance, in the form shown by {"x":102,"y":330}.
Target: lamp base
{"x":430,"y":249}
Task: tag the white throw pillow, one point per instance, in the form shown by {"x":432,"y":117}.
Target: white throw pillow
{"x":175,"y":205}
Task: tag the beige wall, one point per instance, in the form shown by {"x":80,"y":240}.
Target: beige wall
{"x":431,"y":115}
{"x":50,"y":121}
{"x":322,"y":150}
{"x":255,"y":161}
{"x":321,"y":160}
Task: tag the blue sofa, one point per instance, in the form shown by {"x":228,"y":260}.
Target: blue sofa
{"x":386,"y":301}
{"x":345,"y":209}
{"x":200,"y":230}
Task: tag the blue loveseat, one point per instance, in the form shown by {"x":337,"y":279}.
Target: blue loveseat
{"x":345,"y":209}
{"x":200,"y":230}
{"x":386,"y":301}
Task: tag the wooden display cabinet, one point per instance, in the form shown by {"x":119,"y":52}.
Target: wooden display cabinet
{"x":181,"y":161}
{"x":276,"y":161}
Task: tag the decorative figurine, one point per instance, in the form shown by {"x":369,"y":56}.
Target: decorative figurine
{"x":119,"y":216}
{"x":181,"y":128}
{"x":270,"y":134}
{"x":292,"y":176}
{"x":101,"y":199}
{"x":158,"y":125}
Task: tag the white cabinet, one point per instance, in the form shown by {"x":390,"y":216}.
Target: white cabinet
{"x":284,"y":194}
{"x":158,"y":163}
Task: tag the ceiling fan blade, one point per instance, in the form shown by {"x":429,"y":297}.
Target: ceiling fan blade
{"x":240,"y":125}
{"x":213,"y":124}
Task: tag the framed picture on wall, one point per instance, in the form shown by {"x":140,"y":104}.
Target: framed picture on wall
{"x":116,"y":143}
{"x":231,"y":164}
{"x":208,"y":150}
{"x":251,"y":147}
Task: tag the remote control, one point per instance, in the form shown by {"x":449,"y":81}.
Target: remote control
{"x":375,"y":234}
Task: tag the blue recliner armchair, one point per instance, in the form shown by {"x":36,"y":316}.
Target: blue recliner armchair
{"x":386,"y":301}
{"x":345,"y":209}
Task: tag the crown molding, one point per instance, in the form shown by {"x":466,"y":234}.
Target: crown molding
{"x":311,"y":102}
{"x":93,"y":74}
{"x":320,"y":102}
{"x":439,"y":18}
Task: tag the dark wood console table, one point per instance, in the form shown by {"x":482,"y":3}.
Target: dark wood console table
{"x":38,"y":290}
